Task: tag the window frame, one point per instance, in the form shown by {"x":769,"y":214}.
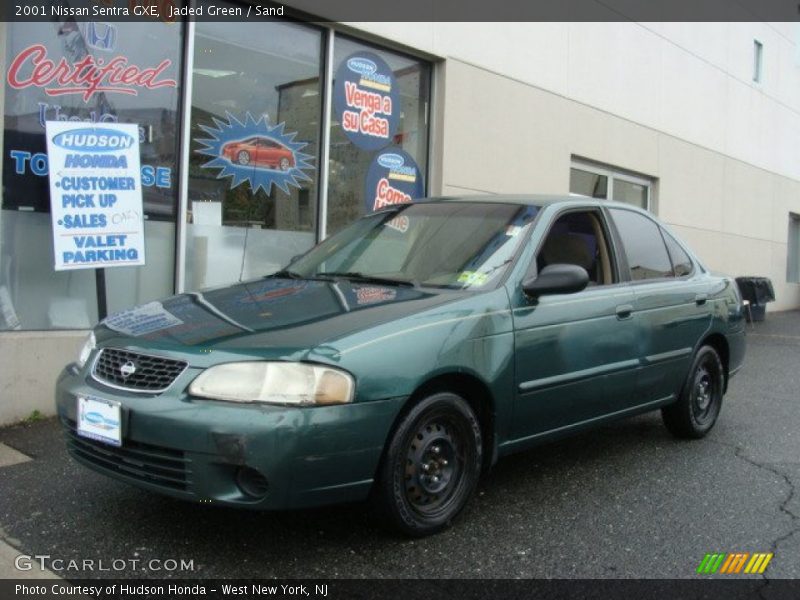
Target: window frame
{"x":758,"y":61}
{"x":612,"y":174}
{"x":613,"y":255}
{"x":793,"y":250}
{"x":664,"y":234}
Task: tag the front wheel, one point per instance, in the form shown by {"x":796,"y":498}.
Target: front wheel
{"x":698,"y":406}
{"x":432,"y":465}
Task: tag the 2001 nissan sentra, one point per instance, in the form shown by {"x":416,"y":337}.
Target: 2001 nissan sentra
{"x":404,"y":355}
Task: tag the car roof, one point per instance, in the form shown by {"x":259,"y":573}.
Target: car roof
{"x":538,"y":200}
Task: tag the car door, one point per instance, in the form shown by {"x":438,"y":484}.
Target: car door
{"x":271,"y":152}
{"x":261,"y":156}
{"x":670,"y":301}
{"x":575,"y":354}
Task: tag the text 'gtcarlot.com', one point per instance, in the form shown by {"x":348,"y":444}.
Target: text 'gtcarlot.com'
{"x":46,"y":562}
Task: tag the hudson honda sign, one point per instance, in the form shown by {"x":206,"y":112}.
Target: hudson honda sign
{"x":95,"y":195}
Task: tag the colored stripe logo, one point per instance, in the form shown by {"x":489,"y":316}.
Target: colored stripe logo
{"x":734,"y":563}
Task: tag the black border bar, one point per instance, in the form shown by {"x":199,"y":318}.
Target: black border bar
{"x":410,"y":10}
{"x":728,"y":588}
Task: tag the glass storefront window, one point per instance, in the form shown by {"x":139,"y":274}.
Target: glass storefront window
{"x":350,"y":161}
{"x":32,"y":294}
{"x":256,"y":118}
{"x":255,"y":128}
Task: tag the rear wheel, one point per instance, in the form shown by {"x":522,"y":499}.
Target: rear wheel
{"x":432,"y":465}
{"x":697,"y":409}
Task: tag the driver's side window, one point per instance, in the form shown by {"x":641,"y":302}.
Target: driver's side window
{"x":579,"y":238}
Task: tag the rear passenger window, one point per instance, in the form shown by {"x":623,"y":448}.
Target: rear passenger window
{"x":681,"y":263}
{"x":644,"y":246}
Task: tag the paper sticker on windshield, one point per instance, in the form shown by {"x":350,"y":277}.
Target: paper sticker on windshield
{"x":142,"y":320}
{"x":472,"y":278}
{"x":513,"y":230}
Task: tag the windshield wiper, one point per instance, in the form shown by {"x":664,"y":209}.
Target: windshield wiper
{"x":286,"y":274}
{"x":356,"y":276}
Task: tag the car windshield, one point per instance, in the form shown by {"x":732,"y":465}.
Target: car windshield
{"x":449,"y":244}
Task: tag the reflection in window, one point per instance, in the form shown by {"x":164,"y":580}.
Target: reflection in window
{"x":630,"y":193}
{"x":681,"y":263}
{"x":588,"y":184}
{"x":442,"y":244}
{"x":644,"y":246}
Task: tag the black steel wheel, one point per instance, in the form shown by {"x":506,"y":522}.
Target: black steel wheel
{"x":432,"y":465}
{"x":700,"y":402}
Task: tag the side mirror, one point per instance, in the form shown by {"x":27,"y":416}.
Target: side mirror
{"x":556,"y":279}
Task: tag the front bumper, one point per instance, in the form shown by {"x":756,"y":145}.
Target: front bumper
{"x":193,"y":449}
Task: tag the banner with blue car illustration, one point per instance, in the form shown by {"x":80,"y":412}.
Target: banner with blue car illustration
{"x":251,"y":150}
{"x":366,"y":100}
{"x":392,"y":178}
{"x":95,"y":195}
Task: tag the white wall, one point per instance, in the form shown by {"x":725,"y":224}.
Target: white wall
{"x":690,"y":80}
{"x":30,"y":362}
{"x":674,"y":101}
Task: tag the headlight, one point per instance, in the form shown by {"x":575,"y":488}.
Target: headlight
{"x":86,"y":350}
{"x":274,"y":383}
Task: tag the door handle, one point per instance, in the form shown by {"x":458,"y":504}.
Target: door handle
{"x":700,"y":299}
{"x":624,"y":311}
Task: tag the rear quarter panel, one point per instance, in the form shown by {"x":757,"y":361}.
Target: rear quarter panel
{"x":727,"y":318}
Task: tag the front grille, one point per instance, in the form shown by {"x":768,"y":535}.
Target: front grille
{"x":151,"y":374}
{"x":156,"y":465}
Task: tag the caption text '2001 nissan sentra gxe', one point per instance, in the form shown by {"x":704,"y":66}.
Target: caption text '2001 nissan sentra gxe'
{"x":404,"y":355}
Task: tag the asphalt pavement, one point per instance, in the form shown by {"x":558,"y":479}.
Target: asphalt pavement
{"x":626,"y":500}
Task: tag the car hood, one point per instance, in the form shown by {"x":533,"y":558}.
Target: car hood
{"x":267,"y":315}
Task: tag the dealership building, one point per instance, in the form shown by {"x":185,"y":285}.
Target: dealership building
{"x":259,"y":138}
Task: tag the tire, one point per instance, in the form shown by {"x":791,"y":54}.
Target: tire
{"x":243,"y":158}
{"x":284,"y":164}
{"x":431,"y":466}
{"x":698,"y":406}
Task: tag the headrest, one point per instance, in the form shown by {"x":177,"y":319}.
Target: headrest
{"x":567,"y":248}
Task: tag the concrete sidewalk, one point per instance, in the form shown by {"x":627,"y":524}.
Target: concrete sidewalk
{"x":8,"y":570}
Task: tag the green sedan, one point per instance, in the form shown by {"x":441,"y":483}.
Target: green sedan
{"x":400,"y":358}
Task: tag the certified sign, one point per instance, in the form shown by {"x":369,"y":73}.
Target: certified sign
{"x":95,"y":195}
